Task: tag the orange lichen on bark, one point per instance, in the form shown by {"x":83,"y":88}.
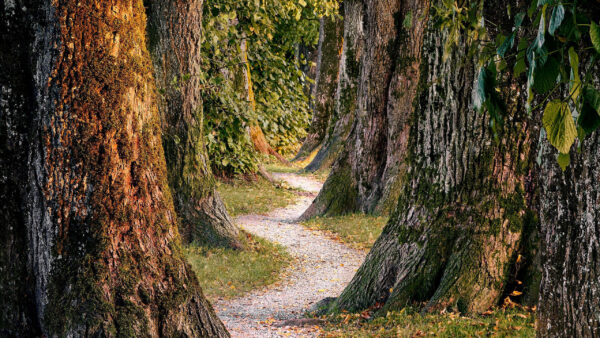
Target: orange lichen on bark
{"x":118,"y":262}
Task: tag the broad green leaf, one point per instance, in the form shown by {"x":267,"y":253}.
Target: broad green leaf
{"x":568,"y":30}
{"x":520,"y":65}
{"x":588,"y":120}
{"x":559,"y":125}
{"x":541,"y":36}
{"x":563,"y":161}
{"x":530,"y":81}
{"x":558,"y":14}
{"x":507,"y":44}
{"x":575,"y":83}
{"x":591,"y":96}
{"x":519,"y":20}
{"x":595,"y":36}
{"x":545,"y":77}
{"x":479,"y":89}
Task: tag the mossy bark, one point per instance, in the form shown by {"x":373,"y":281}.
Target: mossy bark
{"x":175,"y":30}
{"x":387,"y":85}
{"x":342,"y":118}
{"x":18,"y":317}
{"x":464,"y":212}
{"x":104,"y":249}
{"x":570,"y":231}
{"x":331,"y":33}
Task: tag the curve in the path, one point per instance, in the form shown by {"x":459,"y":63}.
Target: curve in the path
{"x":322,"y":268}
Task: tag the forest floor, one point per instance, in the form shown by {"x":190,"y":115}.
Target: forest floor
{"x":322,"y":268}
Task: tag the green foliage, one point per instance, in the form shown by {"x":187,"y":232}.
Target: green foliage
{"x":559,"y":125}
{"x":565,"y":46}
{"x":272,"y":32}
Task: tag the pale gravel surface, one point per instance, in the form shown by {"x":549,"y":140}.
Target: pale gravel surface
{"x":322,"y":268}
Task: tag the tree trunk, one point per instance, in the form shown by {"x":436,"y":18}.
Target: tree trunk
{"x":330,"y":46}
{"x":342,"y":118}
{"x":570,"y":217}
{"x":102,"y":243}
{"x":369,"y":164}
{"x":463,"y":215}
{"x":17,"y":103}
{"x":175,"y":30}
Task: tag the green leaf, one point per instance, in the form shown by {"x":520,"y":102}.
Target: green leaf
{"x":519,"y":20}
{"x":575,"y":83}
{"x":520,"y":65}
{"x":541,"y":36}
{"x":591,"y":96}
{"x":479,"y":89}
{"x":563,"y":161}
{"x":559,"y":125}
{"x":588,"y":119}
{"x":508,"y":43}
{"x":595,"y":36}
{"x":545,"y":77}
{"x":558,"y":14}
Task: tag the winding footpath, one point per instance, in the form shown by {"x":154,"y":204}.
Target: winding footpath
{"x":322,"y":268}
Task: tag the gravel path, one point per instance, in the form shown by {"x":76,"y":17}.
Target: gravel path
{"x":322,"y":269}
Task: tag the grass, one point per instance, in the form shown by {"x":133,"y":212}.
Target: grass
{"x":275,"y":166}
{"x":407,"y":323}
{"x":254,"y":197}
{"x":358,"y":230}
{"x":227,"y":273}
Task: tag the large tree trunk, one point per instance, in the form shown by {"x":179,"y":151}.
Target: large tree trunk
{"x":368,"y":166}
{"x":175,"y":30}
{"x":102,"y":243}
{"x":570,"y":232}
{"x":463,"y":215}
{"x":17,"y":103}
{"x":331,"y":32}
{"x":342,"y":118}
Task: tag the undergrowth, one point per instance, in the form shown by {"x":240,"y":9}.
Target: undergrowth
{"x":257,"y":196}
{"x":408,"y":323}
{"x":227,"y":273}
{"x":357,"y":230}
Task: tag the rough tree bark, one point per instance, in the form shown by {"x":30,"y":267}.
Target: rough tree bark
{"x":366,"y":170}
{"x":103,"y":248}
{"x":175,"y":31}
{"x":331,"y":32}
{"x":342,"y":118}
{"x":463,"y":215}
{"x":570,"y":231}
{"x":17,"y":293}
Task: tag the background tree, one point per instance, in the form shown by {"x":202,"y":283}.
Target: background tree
{"x":175,"y":30}
{"x":367,"y":168}
{"x":463,"y":216}
{"x":342,"y":118}
{"x":101,"y":229}
{"x":331,"y":36}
